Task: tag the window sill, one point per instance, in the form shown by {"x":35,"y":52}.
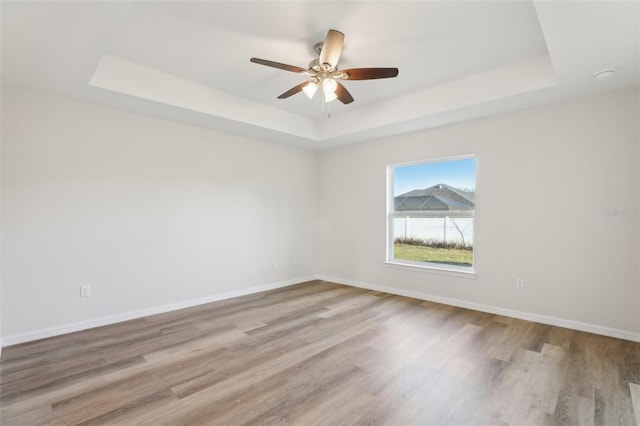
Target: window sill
{"x":452,"y":271}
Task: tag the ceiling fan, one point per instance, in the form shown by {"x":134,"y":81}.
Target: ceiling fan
{"x":324,"y":72}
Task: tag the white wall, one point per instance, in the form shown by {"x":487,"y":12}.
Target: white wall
{"x":546,"y":176}
{"x":153,"y":213}
{"x":1,"y":344}
{"x":147,"y":212}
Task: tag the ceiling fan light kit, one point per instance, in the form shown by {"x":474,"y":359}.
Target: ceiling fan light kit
{"x":324,"y":73}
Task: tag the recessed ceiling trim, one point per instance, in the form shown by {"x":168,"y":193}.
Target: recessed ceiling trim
{"x":514,"y":79}
{"x":122,"y":76}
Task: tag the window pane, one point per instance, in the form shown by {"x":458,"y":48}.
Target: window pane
{"x":433,"y":209}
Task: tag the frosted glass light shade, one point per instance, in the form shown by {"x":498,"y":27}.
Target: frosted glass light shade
{"x":310,"y":89}
{"x":329,"y":87}
{"x":331,"y":96}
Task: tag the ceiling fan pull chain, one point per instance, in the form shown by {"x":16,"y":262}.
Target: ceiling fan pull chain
{"x":323,"y":103}
{"x":326,"y":106}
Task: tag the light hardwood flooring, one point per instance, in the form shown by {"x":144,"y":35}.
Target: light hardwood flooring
{"x":325,"y":354}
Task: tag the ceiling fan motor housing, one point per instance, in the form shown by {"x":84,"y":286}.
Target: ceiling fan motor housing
{"x":315,"y":65}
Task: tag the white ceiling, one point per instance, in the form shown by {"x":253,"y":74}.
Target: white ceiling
{"x":189,"y":61}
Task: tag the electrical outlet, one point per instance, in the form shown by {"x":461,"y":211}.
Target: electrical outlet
{"x":85,"y":290}
{"x":275,"y":264}
{"x":519,"y":284}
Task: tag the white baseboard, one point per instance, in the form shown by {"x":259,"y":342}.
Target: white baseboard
{"x":543,"y":319}
{"x":113,"y":319}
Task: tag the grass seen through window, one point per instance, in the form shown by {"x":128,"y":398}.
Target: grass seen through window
{"x":433,"y":251}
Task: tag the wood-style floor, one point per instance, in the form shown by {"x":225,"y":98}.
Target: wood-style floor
{"x":326,"y":354}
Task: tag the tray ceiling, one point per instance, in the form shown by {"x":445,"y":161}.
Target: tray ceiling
{"x":189,"y":61}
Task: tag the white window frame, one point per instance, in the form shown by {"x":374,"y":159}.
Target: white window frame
{"x":469,"y":271}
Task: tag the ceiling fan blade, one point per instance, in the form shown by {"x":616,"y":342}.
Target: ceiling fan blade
{"x":370,"y":73}
{"x":332,"y":48}
{"x":277,"y":65}
{"x":293,"y":90}
{"x":343,"y":94}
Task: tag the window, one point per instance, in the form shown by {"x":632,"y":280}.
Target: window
{"x":431,"y":213}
